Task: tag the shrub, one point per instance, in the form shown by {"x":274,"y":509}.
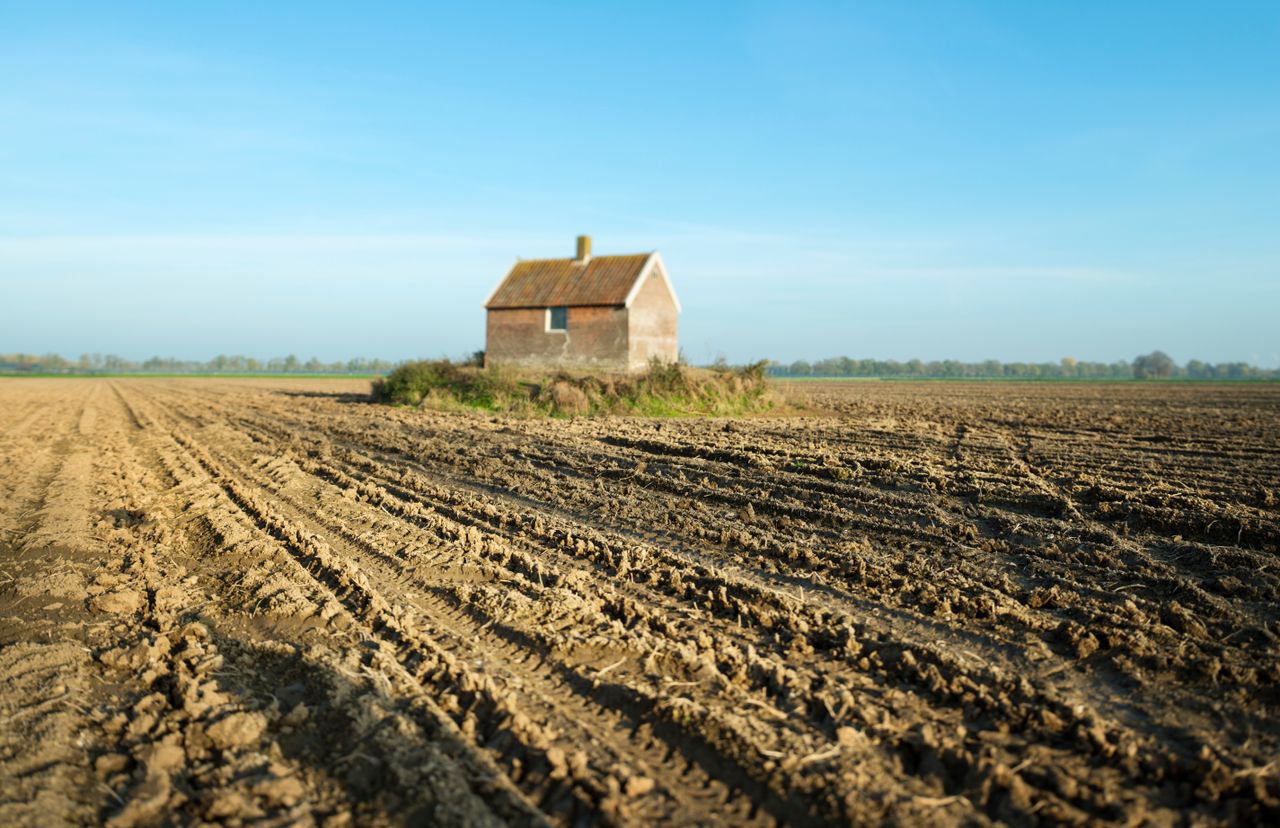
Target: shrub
{"x":413,"y":382}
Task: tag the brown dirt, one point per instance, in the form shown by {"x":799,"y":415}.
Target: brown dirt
{"x":271,"y":602}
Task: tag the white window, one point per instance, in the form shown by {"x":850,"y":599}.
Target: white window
{"x":557,"y":319}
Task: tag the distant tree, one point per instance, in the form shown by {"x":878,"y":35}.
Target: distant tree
{"x":1069,"y":366}
{"x":1156,"y":364}
{"x":54,"y":362}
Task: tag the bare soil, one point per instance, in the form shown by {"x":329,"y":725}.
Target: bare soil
{"x":271,"y":602}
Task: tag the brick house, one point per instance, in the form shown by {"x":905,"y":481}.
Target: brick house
{"x":610,"y":313}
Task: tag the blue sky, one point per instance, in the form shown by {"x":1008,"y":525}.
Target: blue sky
{"x":936,"y":180}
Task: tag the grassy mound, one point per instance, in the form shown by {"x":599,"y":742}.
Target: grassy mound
{"x":664,"y":390}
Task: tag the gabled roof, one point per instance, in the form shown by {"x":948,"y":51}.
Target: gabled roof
{"x":544,"y":283}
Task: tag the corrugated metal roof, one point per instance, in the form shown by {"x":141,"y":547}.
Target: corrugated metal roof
{"x":544,"y":283}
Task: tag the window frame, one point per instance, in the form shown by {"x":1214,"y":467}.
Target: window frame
{"x":550,"y":313}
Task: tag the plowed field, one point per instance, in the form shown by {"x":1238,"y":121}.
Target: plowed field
{"x":263,"y":601}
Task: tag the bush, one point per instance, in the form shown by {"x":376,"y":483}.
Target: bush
{"x":414,"y":382}
{"x":665,"y":389}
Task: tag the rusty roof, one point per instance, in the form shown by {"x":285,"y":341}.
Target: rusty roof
{"x":544,"y":283}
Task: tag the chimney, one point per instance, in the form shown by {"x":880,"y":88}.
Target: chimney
{"x":584,"y":249}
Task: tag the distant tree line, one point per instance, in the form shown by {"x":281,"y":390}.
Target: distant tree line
{"x":221,"y":364}
{"x":1156,"y":365}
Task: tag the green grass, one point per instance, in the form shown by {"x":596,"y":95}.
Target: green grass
{"x":664,"y":390}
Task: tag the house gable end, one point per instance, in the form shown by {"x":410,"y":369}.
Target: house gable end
{"x":653,"y":265}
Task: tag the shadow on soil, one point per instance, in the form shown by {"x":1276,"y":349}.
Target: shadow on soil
{"x":336,"y":396}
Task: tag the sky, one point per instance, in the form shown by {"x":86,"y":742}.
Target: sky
{"x":967,"y":180}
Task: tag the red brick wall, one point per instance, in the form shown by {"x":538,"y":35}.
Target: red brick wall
{"x":595,"y":339}
{"x":653,"y":324}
